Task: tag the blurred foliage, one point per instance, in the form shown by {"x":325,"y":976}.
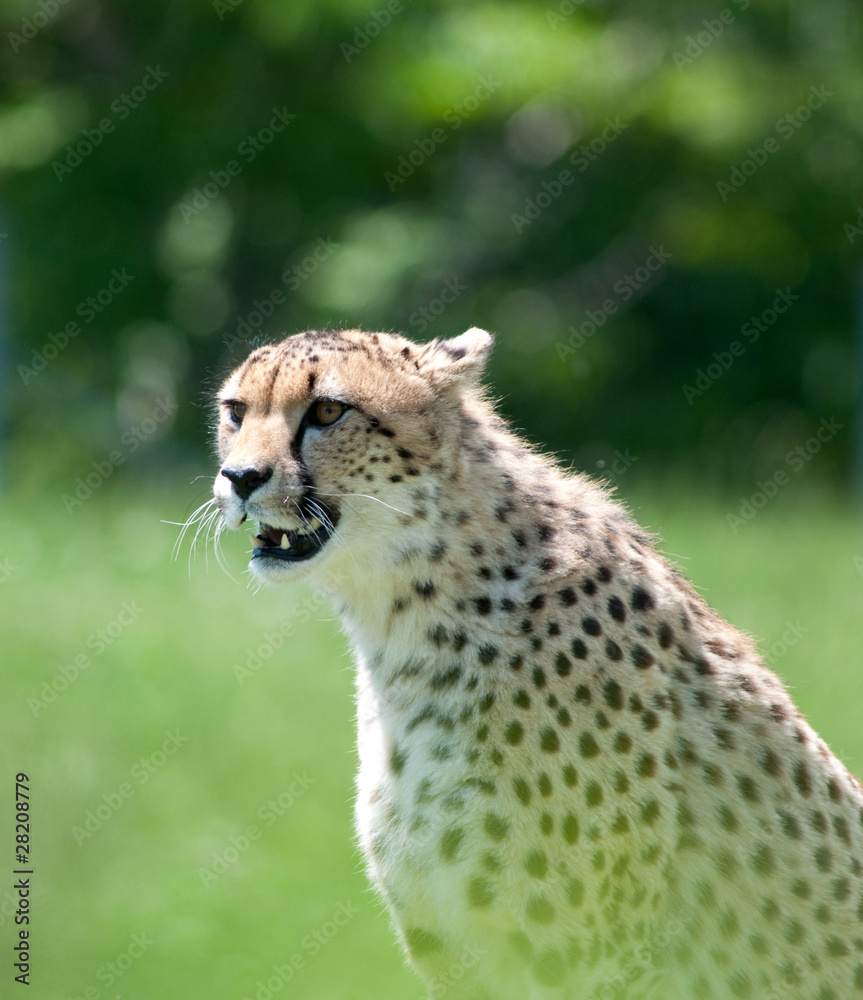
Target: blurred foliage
{"x":419,"y":187}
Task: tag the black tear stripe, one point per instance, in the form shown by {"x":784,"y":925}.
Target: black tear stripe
{"x":312,"y":379}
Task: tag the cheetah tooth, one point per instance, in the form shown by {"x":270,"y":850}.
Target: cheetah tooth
{"x":314,"y":523}
{"x":257,"y":543}
{"x":284,"y":543}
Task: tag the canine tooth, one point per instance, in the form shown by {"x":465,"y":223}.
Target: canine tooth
{"x":284,"y":543}
{"x":258,"y":543}
{"x":314,"y":523}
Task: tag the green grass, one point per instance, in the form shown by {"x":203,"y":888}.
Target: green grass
{"x":238,"y":745}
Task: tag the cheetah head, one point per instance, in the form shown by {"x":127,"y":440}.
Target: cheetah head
{"x":328,"y":440}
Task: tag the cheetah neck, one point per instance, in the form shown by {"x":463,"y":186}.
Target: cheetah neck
{"x":500,"y":525}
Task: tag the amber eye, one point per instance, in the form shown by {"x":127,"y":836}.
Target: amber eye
{"x":327,"y":411}
{"x":236,"y":410}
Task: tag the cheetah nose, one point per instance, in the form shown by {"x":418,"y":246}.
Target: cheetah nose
{"x":246,"y":481}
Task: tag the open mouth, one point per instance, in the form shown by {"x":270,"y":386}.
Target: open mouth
{"x":292,"y":545}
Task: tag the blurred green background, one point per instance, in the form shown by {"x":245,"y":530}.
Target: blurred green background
{"x":656,"y":207}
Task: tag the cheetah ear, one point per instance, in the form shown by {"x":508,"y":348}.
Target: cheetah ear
{"x":455,"y":359}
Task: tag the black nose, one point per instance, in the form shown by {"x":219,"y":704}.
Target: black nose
{"x":246,"y":481}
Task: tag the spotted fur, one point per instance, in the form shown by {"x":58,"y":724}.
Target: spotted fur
{"x":576,"y":780}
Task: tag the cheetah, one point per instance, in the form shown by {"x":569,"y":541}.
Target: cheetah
{"x":576,"y":780}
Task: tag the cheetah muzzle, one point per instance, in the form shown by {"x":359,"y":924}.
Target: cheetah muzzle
{"x":577,"y":781}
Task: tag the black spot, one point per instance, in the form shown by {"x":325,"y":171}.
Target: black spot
{"x":612,"y":693}
{"x":727,"y":819}
{"x":562,"y":665}
{"x":552,"y":629}
{"x":589,"y":587}
{"x":446,"y":678}
{"x":450,"y":843}
{"x":570,"y":828}
{"x":587,"y":745}
{"x":425,"y":588}
{"x":762,"y":860}
{"x":514,"y":732}
{"x":613,"y":651}
{"x":480,"y":893}
{"x":591,"y":626}
{"x":616,"y":609}
{"x":397,"y":760}
{"x":567,"y":597}
{"x":579,"y":650}
{"x":582,"y":694}
{"x":641,"y":657}
{"x":641,"y":600}
{"x":770,"y":763}
{"x":404,"y":453}
{"x":437,"y":634}
{"x":519,"y":538}
{"x":603,"y":574}
{"x":593,"y":794}
{"x":386,"y":432}
{"x":486,"y":702}
{"x":823,"y":859}
{"x":549,"y":741}
{"x":563,"y":717}
{"x":802,"y":779}
{"x":622,"y":743}
{"x":482,"y":605}
{"x":496,"y":827}
{"x":396,"y":478}
{"x":522,"y":790}
{"x":650,"y":720}
{"x":487,"y":654}
{"x":537,"y":603}
{"x":536,"y":864}
{"x":521,"y":698}
{"x":748,"y":788}
{"x":421,"y":942}
{"x":516,"y":662}
{"x":570,"y":776}
{"x":545,"y":786}
{"x":646,"y":767}
{"x":650,"y":812}
{"x":665,"y":634}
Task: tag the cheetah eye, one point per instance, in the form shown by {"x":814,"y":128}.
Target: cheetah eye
{"x":326,"y":412}
{"x":236,"y":410}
